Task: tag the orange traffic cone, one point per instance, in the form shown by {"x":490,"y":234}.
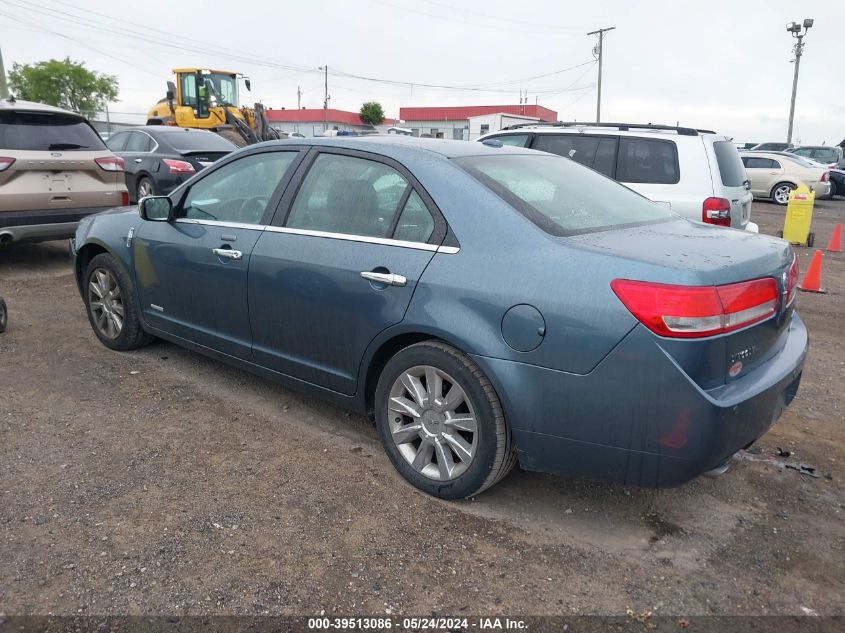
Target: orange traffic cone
{"x":835,"y":244}
{"x":813,"y":278}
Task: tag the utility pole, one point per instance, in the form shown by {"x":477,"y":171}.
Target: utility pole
{"x":598,"y":51}
{"x":325,"y":98}
{"x":4,"y":89}
{"x":796,"y":30}
{"x":298,"y":98}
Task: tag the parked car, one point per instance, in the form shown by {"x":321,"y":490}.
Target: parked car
{"x":771,"y":147}
{"x":54,"y":170}
{"x":695,"y":172}
{"x":830,"y":156}
{"x":774,"y":174}
{"x":836,"y":176}
{"x":611,"y":339}
{"x":161,"y":157}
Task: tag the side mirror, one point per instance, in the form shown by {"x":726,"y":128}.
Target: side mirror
{"x":248,"y":84}
{"x":155,"y":208}
{"x":169,"y":95}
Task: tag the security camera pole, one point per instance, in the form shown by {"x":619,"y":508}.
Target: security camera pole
{"x":798,"y":31}
{"x":600,"y":33}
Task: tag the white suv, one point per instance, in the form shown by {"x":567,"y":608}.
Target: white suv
{"x":697,"y":173}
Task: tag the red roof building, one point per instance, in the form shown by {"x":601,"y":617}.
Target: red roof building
{"x":309,"y":121}
{"x":463,"y":113}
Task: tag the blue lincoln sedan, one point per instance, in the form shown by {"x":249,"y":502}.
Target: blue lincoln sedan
{"x":484,"y":305}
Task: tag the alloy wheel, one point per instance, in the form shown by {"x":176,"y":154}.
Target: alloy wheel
{"x":432,"y":422}
{"x":782,"y":194}
{"x":145,"y":189}
{"x":106,"y":303}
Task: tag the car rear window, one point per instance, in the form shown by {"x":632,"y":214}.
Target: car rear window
{"x":730,"y":164}
{"x":46,"y":131}
{"x":198,"y":142}
{"x":562,"y":197}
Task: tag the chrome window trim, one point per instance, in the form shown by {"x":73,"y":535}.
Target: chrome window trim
{"x":151,"y":151}
{"x":385,"y":241}
{"x":221,"y":223}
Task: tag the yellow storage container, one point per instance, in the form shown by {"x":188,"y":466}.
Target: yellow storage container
{"x":799,"y":216}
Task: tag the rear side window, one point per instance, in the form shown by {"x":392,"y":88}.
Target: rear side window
{"x":560,"y":197}
{"x":139,"y":142}
{"x":349,"y":195}
{"x":42,"y":132}
{"x":827,"y":155}
{"x":730,"y":165}
{"x":649,"y":161}
{"x":593,"y":151}
{"x":415,"y":222}
{"x":753,"y":162}
{"x":117,"y":143}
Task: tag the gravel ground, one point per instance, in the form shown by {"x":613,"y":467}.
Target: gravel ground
{"x":160,"y":482}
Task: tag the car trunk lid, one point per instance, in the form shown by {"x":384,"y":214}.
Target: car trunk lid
{"x":685,"y":254}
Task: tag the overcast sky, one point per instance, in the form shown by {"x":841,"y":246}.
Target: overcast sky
{"x":718,"y":64}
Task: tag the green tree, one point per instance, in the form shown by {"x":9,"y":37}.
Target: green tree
{"x":372,"y":113}
{"x":64,"y":83}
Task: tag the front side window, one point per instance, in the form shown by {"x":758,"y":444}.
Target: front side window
{"x":561,"y":197}
{"x":649,"y":161}
{"x":827,"y":155}
{"x":806,"y":152}
{"x":349,"y":195}
{"x":513,"y":140}
{"x":238,"y":192}
{"x":189,"y":90}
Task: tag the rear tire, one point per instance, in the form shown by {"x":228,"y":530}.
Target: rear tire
{"x":233,"y":136}
{"x":145,"y":188}
{"x":450,"y":446}
{"x":780,"y":193}
{"x":4,"y":315}
{"x":811,"y":239}
{"x":109,"y":297}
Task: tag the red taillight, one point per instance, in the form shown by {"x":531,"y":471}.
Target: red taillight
{"x":124,"y":199}
{"x":111,"y":163}
{"x":178,"y":166}
{"x":825,"y":177}
{"x":697,"y":311}
{"x":6,"y":162}
{"x":716,"y":211}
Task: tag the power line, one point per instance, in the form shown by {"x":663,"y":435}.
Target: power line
{"x":502,"y":19}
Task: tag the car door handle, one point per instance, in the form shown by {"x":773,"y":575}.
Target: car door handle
{"x":138,"y":160}
{"x":385,"y":278}
{"x":227,"y":253}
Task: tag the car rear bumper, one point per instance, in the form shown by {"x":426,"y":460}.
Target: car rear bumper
{"x":35,"y":226}
{"x":637,"y":418}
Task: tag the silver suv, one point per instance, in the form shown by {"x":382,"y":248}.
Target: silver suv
{"x":54,"y":170}
{"x":697,"y":173}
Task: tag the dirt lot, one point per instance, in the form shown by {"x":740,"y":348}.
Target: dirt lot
{"x":160,"y":482}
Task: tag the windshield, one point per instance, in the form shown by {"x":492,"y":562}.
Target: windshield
{"x":47,"y":131}
{"x":221,"y":89}
{"x":561,"y":196}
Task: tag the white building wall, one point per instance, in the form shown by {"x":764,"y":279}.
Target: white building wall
{"x":310,"y":129}
{"x":456,"y":129}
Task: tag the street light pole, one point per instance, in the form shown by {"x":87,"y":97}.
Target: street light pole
{"x":796,"y":30}
{"x":325,"y":99}
{"x":600,"y":33}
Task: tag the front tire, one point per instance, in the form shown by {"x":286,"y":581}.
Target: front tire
{"x":780,"y":193}
{"x":441,"y":422}
{"x":4,"y":315}
{"x":109,"y":297}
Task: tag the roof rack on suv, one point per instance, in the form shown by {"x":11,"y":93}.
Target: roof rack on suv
{"x":623,"y":127}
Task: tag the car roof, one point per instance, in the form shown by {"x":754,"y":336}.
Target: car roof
{"x":608,"y":129}
{"x":398,"y":146}
{"x":162,"y":129}
{"x":32,"y":106}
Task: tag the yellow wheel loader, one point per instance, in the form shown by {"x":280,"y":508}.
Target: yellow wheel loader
{"x":208,"y":100}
